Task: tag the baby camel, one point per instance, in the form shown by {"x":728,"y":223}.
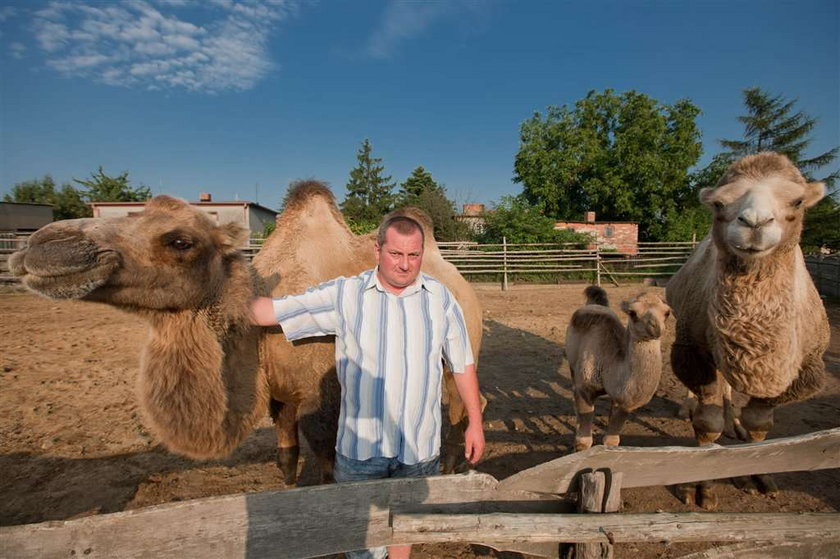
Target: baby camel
{"x":607,"y":358}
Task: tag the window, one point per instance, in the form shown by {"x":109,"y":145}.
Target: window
{"x":609,"y":231}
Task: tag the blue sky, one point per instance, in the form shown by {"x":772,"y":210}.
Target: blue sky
{"x":240,"y":98}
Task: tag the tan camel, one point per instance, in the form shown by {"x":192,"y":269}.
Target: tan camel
{"x":607,"y":358}
{"x":747,"y":310}
{"x":207,"y":375}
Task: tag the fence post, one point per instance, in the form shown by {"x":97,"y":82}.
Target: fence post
{"x":598,"y":265}
{"x":504,"y":264}
{"x":599,"y":492}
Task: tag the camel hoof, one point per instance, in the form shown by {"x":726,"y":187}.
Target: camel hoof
{"x":685,"y":493}
{"x":766,"y":484}
{"x":287,"y":461}
{"x":449,"y":463}
{"x":582,"y":443}
{"x":745,"y":484}
{"x":611,"y":440}
{"x":707,"y":498}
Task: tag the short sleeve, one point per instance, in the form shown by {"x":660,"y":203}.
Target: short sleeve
{"x":457,"y":351}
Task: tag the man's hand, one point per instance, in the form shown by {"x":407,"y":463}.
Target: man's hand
{"x":262,"y":312}
{"x":474,"y":442}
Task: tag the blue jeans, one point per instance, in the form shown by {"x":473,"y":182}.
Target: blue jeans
{"x":348,"y":469}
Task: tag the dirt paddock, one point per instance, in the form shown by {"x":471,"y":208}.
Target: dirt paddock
{"x":72,"y":443}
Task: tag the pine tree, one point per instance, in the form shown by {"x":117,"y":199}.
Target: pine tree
{"x":369,"y":193}
{"x":770,"y":125}
{"x":419,"y":181}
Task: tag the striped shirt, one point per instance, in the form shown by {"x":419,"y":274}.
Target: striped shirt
{"x":388,"y":352}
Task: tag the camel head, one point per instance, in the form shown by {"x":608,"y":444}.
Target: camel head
{"x":171,"y":256}
{"x":648,"y":314}
{"x":759,"y":205}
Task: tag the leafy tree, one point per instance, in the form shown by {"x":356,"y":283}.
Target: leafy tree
{"x":103,"y":188}
{"x":518,"y":221}
{"x":369,"y":193}
{"x":772,"y":125}
{"x":623,"y":156}
{"x":66,"y":202}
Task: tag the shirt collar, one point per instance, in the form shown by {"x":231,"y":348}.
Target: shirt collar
{"x":422,"y":282}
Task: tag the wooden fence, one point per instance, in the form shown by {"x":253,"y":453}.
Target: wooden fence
{"x":825,"y":271}
{"x":529,"y":512}
{"x":559,"y":261}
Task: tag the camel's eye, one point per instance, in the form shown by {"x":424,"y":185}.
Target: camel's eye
{"x":667,"y":314}
{"x":797,"y":203}
{"x":632,"y":314}
{"x":718,"y":205}
{"x":181,"y":244}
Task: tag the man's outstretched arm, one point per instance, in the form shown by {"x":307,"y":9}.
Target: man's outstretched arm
{"x":262,"y":312}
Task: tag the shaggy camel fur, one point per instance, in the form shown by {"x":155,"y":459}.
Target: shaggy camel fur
{"x":607,"y":358}
{"x":747,"y":310}
{"x":207,"y":375}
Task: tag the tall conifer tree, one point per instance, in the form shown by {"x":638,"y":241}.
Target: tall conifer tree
{"x":369,"y":192}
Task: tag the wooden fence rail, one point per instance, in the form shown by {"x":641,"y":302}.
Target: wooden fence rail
{"x":525,"y":512}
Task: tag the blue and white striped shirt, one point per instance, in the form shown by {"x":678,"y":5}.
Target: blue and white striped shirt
{"x":388,"y":351}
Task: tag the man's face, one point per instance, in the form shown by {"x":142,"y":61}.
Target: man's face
{"x":399,"y":259}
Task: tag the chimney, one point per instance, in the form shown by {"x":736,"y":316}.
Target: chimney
{"x":589,"y":217}
{"x":205,"y":197}
{"x":473,"y":209}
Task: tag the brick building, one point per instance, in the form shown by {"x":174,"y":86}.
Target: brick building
{"x":622,"y":236}
{"x":473,"y":216}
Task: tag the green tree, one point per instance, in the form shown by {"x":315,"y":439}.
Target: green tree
{"x":103,"y":188}
{"x":421,"y":190}
{"x":369,"y":192}
{"x":622,"y":156}
{"x":772,"y":124}
{"x":419,"y":181}
{"x":518,"y":221}
{"x":66,"y":202}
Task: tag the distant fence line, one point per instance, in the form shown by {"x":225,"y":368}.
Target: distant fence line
{"x":544,"y":261}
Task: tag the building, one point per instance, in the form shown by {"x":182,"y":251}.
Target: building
{"x":473,"y":216}
{"x":622,"y":236}
{"x":250,"y":215}
{"x":24,"y":218}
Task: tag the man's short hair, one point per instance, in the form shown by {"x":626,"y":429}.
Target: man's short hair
{"x":403,"y":224}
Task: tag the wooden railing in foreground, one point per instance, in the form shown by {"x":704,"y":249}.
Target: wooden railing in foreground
{"x":524,"y":512}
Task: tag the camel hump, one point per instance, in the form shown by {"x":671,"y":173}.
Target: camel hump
{"x":596,"y":296}
{"x":304,"y":191}
{"x":417,"y":215}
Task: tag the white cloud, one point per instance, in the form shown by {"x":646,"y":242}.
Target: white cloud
{"x":402,"y":21}
{"x":221,"y":46}
{"x":17,"y":50}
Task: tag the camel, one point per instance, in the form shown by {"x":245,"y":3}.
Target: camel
{"x":207,"y":375}
{"x":748,"y":314}
{"x":607,"y":358}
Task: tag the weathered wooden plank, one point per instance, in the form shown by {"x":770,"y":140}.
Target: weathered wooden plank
{"x":301,"y":522}
{"x":655,"y":527}
{"x":644,"y":467}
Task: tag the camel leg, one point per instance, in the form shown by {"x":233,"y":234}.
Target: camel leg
{"x":452,"y":455}
{"x":288,"y":446}
{"x":585,"y":412}
{"x":618,"y":415}
{"x":696,"y":369}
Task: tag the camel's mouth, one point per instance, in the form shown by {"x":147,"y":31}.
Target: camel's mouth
{"x":66,"y":280}
{"x":751,"y":251}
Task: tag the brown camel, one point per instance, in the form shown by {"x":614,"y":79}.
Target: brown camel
{"x":207,"y":375}
{"x":747,"y":311}
{"x":605,"y":358}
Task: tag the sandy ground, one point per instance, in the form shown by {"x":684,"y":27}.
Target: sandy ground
{"x":72,"y":443}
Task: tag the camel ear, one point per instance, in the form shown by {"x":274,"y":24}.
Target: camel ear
{"x":233,"y":237}
{"x":707,"y":195}
{"x":814,"y":192}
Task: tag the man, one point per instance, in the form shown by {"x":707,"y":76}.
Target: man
{"x":393,"y":325}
